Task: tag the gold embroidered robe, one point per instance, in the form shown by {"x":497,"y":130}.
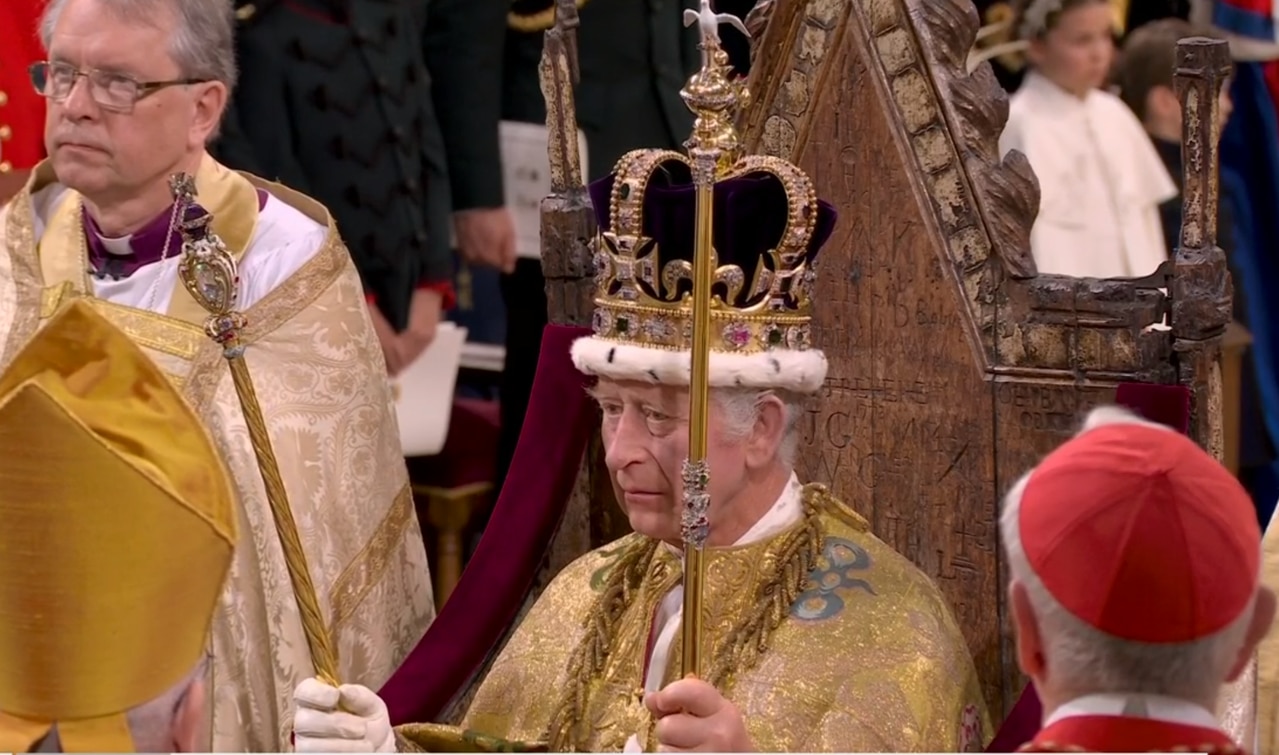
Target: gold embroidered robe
{"x":868,"y":658}
{"x":320,"y":379}
{"x":1260,"y":683}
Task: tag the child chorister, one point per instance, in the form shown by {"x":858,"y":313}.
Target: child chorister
{"x":1101,"y":181}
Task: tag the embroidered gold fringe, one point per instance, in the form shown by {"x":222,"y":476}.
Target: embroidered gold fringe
{"x":745,"y":645}
{"x":538,"y":20}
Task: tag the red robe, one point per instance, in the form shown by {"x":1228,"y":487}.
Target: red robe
{"x":1122,"y":734}
{"x":21,"y":109}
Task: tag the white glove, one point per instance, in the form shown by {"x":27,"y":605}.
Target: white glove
{"x":349,"y":718}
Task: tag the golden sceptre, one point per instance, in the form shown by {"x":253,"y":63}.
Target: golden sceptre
{"x":714,"y":97}
{"x":208,"y":272}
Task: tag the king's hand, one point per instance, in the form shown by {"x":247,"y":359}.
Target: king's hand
{"x":692,"y":716}
{"x":349,"y":718}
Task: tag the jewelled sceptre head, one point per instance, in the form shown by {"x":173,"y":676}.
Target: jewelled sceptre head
{"x":209,"y":273}
{"x":703,"y":279}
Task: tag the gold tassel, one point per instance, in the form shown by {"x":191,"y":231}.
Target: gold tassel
{"x":536,"y":21}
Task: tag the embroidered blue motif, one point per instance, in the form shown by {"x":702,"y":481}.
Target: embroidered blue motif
{"x":836,"y":574}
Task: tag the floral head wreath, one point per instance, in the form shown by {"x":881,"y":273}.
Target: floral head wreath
{"x":1034,"y":20}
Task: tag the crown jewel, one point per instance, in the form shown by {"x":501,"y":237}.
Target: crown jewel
{"x":761,"y":299}
{"x":765,"y":229}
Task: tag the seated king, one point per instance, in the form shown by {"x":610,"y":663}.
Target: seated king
{"x":109,"y":219}
{"x":816,"y":636}
{"x":119,"y":529}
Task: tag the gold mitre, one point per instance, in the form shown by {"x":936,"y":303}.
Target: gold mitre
{"x":119,"y":524}
{"x":767,"y":230}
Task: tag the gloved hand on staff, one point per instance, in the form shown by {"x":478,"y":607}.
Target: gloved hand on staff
{"x":692,"y":716}
{"x":350,"y":718}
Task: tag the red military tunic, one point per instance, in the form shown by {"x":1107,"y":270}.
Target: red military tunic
{"x":1124,"y":734}
{"x":21,"y":109}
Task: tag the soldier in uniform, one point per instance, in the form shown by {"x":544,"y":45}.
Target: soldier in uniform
{"x":21,"y":110}
{"x":387,"y":112}
{"x":1136,"y":595}
{"x":634,"y":55}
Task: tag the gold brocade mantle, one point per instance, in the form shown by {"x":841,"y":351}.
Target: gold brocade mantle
{"x":868,"y":659}
{"x":319,"y":378}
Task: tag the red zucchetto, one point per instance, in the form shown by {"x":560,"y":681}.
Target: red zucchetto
{"x":1141,"y":534}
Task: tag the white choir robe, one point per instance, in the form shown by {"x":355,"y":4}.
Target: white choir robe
{"x":283,"y":241}
{"x":1100,"y":179}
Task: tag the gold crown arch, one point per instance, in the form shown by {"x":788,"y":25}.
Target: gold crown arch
{"x":639,"y":308}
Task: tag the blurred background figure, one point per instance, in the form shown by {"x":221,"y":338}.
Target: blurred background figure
{"x":1144,"y":77}
{"x":634,"y":56}
{"x":387,"y":112}
{"x":1101,"y":181}
{"x":21,"y":109}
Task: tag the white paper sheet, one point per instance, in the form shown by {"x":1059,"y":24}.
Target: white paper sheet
{"x":526,"y":173}
{"x":424,"y":393}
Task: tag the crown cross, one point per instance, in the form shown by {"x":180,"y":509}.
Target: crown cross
{"x":628,"y":260}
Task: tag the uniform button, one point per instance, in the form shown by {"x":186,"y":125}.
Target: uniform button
{"x":411,"y":185}
{"x":397,"y":133}
{"x":362,"y":36}
{"x":4,"y":99}
{"x":5,"y":166}
{"x":420,"y":237}
{"x":6,"y":133}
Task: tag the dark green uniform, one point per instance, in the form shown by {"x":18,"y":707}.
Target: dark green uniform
{"x":634,"y":56}
{"x":356,"y":103}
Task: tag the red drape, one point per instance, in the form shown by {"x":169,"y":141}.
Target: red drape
{"x":495,"y":583}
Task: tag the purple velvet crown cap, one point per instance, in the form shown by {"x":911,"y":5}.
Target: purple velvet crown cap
{"x":750,"y":217}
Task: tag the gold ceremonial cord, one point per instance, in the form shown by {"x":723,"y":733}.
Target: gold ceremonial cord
{"x":540,"y":20}
{"x":323,"y":656}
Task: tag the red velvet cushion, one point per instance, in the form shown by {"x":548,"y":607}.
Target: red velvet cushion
{"x":470,"y":450}
{"x":488,"y":598}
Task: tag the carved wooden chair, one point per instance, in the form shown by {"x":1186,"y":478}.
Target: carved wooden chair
{"x":954,"y":365}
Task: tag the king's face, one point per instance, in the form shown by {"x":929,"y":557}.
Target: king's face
{"x":645,"y":433}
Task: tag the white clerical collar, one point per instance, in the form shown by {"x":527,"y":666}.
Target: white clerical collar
{"x":1156,"y":707}
{"x":785,"y":511}
{"x":121,"y":246}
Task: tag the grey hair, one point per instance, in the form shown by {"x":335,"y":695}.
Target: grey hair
{"x":203,"y":40}
{"x":1086,"y":660}
{"x":741,"y":409}
{"x":151,"y":723}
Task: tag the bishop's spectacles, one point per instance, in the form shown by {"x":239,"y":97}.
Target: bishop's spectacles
{"x":112,"y":91}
